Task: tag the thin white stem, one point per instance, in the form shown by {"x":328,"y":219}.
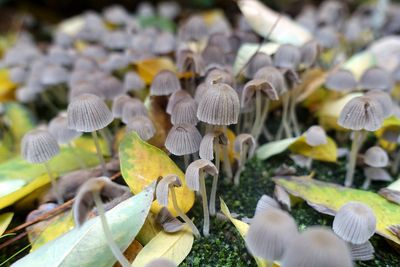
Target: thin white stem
{"x":258,"y":113}
{"x":99,"y":153}
{"x":107,"y":232}
{"x":227,"y":163}
{"x":264,"y":115}
{"x":206,"y":224}
{"x":242,"y":162}
{"x":355,"y":146}
{"x":215,"y":179}
{"x":292,"y":111}
{"x":54,"y":185}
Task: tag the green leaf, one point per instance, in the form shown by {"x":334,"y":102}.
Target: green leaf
{"x":19,"y":177}
{"x":142,"y":164}
{"x":273,"y":148}
{"x":87,"y":246}
{"x":328,"y":198}
{"x":5,"y":220}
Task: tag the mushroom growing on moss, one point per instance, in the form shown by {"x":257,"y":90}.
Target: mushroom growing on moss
{"x":244,"y":146}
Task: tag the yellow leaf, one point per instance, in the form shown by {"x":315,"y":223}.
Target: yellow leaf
{"x":328,"y":198}
{"x":7,"y":87}
{"x":148,"y":68}
{"x":326,"y":152}
{"x":149,"y":229}
{"x":231,"y":151}
{"x":5,"y":220}
{"x":312,"y":80}
{"x":174,"y":247}
{"x":142,"y":164}
{"x":392,"y":123}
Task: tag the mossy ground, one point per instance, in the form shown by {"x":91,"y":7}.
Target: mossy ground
{"x":225,"y":247}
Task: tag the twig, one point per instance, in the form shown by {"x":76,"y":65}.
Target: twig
{"x":12,"y":240}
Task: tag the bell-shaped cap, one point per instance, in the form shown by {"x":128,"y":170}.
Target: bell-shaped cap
{"x":362,"y":252}
{"x":133,"y":82}
{"x":116,"y":15}
{"x":200,"y":90}
{"x":111,"y":87}
{"x":219,"y":106}
{"x":217,"y":75}
{"x":164,"y":43}
{"x":243,"y":140}
{"x":360,"y":113}
{"x":88,"y":113}
{"x":316,"y":136}
{"x":208,"y":143}
{"x":354,"y":222}
{"x":376,"y":78}
{"x":185,"y":112}
{"x":175,"y":98}
{"x":266,"y":202}
{"x":274,"y":77}
{"x":168,"y":222}
{"x":53,"y":75}
{"x":213,"y":57}
{"x":84,"y":88}
{"x":161,"y":263}
{"x":309,"y":53}
{"x":221,"y":40}
{"x":58,"y":128}
{"x":384,"y":99}
{"x":118,"y":105}
{"x":376,"y":157}
{"x":187,"y":61}
{"x":142,"y":125}
{"x":84,"y":64}
{"x":115,"y":40}
{"x":193,"y":29}
{"x":317,"y":246}
{"x":258,"y":61}
{"x":115,"y":61}
{"x":18,"y":75}
{"x":183,"y":139}
{"x":341,"y":80}
{"x":327,"y":37}
{"x":270,"y":233}
{"x":38,"y":146}
{"x":282,"y":197}
{"x":287,"y":57}
{"x":250,"y":88}
{"x":132,"y":108}
{"x":163,"y":187}
{"x":60,"y":56}
{"x":164,"y":83}
{"x":377,"y":174}
{"x":196,"y":169}
{"x":169,"y":10}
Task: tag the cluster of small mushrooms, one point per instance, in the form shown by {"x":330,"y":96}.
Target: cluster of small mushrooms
{"x":102,"y":92}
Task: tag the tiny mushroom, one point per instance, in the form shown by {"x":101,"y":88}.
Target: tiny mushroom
{"x":244,"y":146}
{"x":164,"y":83}
{"x":168,"y":222}
{"x":376,"y":78}
{"x":142,"y":125}
{"x":341,"y":80}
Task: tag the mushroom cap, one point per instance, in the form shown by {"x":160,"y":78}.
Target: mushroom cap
{"x":25,"y":94}
{"x":88,"y":113}
{"x":142,"y":125}
{"x":250,"y":88}
{"x":316,"y":136}
{"x":266,"y":202}
{"x":219,"y":76}
{"x":287,"y":56}
{"x":169,"y":223}
{"x":221,"y":40}
{"x":38,"y":146}
{"x":273,"y":76}
{"x":116,"y":14}
{"x":53,"y":75}
{"x":244,"y":139}
{"x":327,"y":37}
{"x":58,"y":128}
{"x":115,"y":40}
{"x":132,"y":108}
{"x":162,"y":190}
{"x":258,"y":61}
{"x":377,"y":174}
{"x":192,"y":174}
{"x":193,"y":29}
{"x":84,"y":88}
{"x":185,"y":112}
{"x":84,"y":64}
{"x":213,"y":57}
{"x":110,"y":87}
{"x":360,"y":113}
{"x":133,"y":82}
{"x":355,"y":222}
{"x":362,"y":252}
{"x":309,"y":53}
{"x":164,"y":43}
{"x":317,"y":246}
{"x":206,"y":150}
{"x":161,"y":263}
{"x":115,"y":61}
{"x":376,"y":157}
{"x":200,"y":90}
{"x":18,"y":74}
{"x":376,"y":78}
{"x":118,"y":105}
{"x":341,"y":80}
{"x":165,"y":83}
{"x":186,"y":60}
{"x":384,"y":99}
{"x":175,"y":98}
{"x":269,"y":234}
{"x":183,"y":139}
{"x":168,"y":10}
{"x":219,"y":106}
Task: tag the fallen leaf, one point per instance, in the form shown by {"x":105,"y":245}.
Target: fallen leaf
{"x":5,"y":220}
{"x":7,"y":87}
{"x":312,"y":80}
{"x":160,"y":119}
{"x":328,"y":198}
{"x":87,"y":246}
{"x":149,"y":68}
{"x":273,"y":148}
{"x":142,"y":164}
{"x":131,"y":252}
{"x":149,"y":230}
{"x":174,"y":247}
{"x":326,"y":152}
{"x":393,"y":124}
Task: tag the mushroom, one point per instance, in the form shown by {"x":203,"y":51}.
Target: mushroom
{"x":118,"y":105}
{"x":133,"y":82}
{"x":362,"y":252}
{"x":244,"y":145}
{"x":132,"y":108}
{"x":143,"y":126}
{"x":309,"y":54}
{"x":175,"y":98}
{"x":195,"y":175}
{"x":166,"y":185}
{"x":183,"y":140}
{"x":376,"y":78}
{"x":264,"y":203}
{"x":193,"y":29}
{"x":39,"y":146}
{"x":90,"y":194}
{"x":341,"y":80}
{"x":359,"y":114}
{"x":184,"y":111}
{"x":88,"y":113}
{"x":257,"y":61}
{"x":354,"y":222}
{"x":376,"y":158}
{"x":169,"y":223}
{"x":317,"y":246}
{"x":270,"y":232}
{"x":164,"y":83}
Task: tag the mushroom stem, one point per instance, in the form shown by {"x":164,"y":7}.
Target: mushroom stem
{"x":292,"y":111}
{"x":396,"y":163}
{"x":264,"y":115}
{"x":107,"y":232}
{"x":78,"y":157}
{"x":258,"y":113}
{"x":206,"y":224}
{"x":99,"y":153}
{"x":227,"y":163}
{"x":54,"y":186}
{"x":284,"y":123}
{"x":355,"y":146}
{"x":366,"y":184}
{"x":242,"y":162}
{"x":217,"y":152}
{"x":186,"y":160}
{"x":181,"y":214}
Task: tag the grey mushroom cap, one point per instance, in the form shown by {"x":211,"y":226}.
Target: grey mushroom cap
{"x":185,"y":112}
{"x":132,"y":108}
{"x":187,"y":60}
{"x":168,"y":9}
{"x":309,"y":53}
{"x":183,"y":139}
{"x":355,"y":222}
{"x":115,"y":40}
{"x":85,"y":64}
{"x":163,"y":187}
{"x":25,"y":95}
{"x":217,"y":75}
{"x":18,"y":74}
{"x":273,"y":76}
{"x":192,"y":174}
{"x":110,"y":87}
{"x":221,"y":40}
{"x":175,"y":98}
{"x":84,"y":88}
{"x":206,"y":150}
{"x":317,"y":246}
{"x":219,"y":106}
{"x":266,"y":202}
{"x":164,"y":83}
{"x":376,"y":78}
{"x":133,"y":82}
{"x":287,"y":56}
{"x":168,"y":222}
{"x":384,"y":99}
{"x":118,"y":105}
{"x":376,"y":157}
{"x":38,"y":146}
{"x":269,"y":234}
{"x":341,"y":80}
{"x":116,"y":14}
{"x":58,"y":128}
{"x":327,"y":37}
{"x":88,"y":113}
{"x":164,"y":43}
{"x":258,"y":61}
{"x":142,"y":125}
{"x":250,"y":88}
{"x":194,"y":29}
{"x":316,"y":136}
{"x":213,"y":57}
{"x":362,"y":252}
{"x":377,"y":174}
{"x":360,"y":113}
{"x":200,"y":90}
{"x":53,"y":75}
{"x":242,"y":140}
{"x":114,"y":61}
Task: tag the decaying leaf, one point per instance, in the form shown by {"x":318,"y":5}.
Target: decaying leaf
{"x":149,"y":68}
{"x":328,"y":198}
{"x":7,"y":87}
{"x":149,"y":230}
